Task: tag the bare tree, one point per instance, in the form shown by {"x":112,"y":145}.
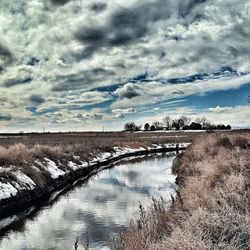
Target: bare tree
{"x":167,"y":121}
{"x":181,"y":122}
{"x":157,"y":125}
{"x":184,"y":121}
{"x":130,"y":126}
{"x":204,"y":122}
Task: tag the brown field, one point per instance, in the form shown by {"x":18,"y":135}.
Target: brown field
{"x":103,"y":138}
{"x":212,"y":207}
{"x":23,"y":149}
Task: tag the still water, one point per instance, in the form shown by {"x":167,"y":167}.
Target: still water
{"x":96,"y":209}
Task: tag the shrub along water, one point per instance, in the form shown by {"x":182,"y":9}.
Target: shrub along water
{"x":212,"y":207}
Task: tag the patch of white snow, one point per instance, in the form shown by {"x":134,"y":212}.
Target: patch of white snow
{"x":53,"y":169}
{"x":7,"y":191}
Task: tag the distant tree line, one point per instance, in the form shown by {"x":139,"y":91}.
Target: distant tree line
{"x":181,"y":123}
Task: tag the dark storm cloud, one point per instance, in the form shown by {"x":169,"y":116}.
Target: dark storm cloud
{"x":82,"y":79}
{"x":98,"y":7}
{"x":128,"y":25}
{"x":6,"y":57}
{"x":36,"y":99}
{"x":125,"y":26}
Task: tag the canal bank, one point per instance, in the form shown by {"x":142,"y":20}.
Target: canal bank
{"x":14,"y":199}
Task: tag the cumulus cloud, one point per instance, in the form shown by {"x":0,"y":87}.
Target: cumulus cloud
{"x":237,"y":116}
{"x":121,"y":113}
{"x":128,"y":110}
{"x":219,"y":109}
{"x":130,"y":90}
{"x":89,"y":116}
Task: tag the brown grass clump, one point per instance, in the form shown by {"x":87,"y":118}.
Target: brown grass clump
{"x":15,"y":154}
{"x":212,"y":206}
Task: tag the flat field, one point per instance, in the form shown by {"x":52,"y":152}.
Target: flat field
{"x":101,"y":139}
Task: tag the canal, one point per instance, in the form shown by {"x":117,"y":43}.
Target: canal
{"x":93,"y":209}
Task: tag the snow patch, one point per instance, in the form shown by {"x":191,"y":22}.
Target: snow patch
{"x":26,"y":181}
{"x":73,"y":165}
{"x":53,"y":169}
{"x":7,"y":221}
{"x":7,"y":191}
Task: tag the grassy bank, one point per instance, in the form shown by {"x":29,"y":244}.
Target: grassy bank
{"x":212,"y":206}
{"x":34,"y":161}
{"x":30,"y":173}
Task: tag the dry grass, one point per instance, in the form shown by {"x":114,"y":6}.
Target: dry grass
{"x":20,"y":157}
{"x":23,"y":156}
{"x":22,"y":150}
{"x":212,"y":206}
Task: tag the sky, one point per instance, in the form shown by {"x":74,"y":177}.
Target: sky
{"x":70,"y":65}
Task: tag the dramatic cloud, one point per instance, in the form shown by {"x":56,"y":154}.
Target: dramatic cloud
{"x":73,"y":57}
{"x":125,"y":26}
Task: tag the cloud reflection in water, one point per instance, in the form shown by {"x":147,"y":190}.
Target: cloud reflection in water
{"x":100,"y":208}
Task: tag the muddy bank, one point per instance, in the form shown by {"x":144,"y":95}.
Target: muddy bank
{"x":26,"y":197}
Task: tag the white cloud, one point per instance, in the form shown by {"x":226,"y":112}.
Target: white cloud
{"x":125,"y":111}
{"x":63,"y":52}
{"x":153,"y":92}
{"x":219,"y":109}
{"x":235,"y":116}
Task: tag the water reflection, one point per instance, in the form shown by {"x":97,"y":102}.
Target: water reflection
{"x":100,"y":208}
